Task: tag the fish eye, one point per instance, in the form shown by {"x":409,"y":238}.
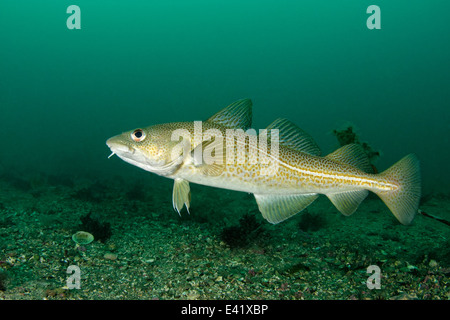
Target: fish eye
{"x":138,"y":135}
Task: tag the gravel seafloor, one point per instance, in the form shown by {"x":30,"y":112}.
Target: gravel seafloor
{"x":153,"y":253}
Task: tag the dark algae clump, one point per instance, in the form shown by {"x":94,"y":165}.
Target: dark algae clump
{"x":100,"y":230}
{"x":242,"y":235}
{"x":348,"y":136}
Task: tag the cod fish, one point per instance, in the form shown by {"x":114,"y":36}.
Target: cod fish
{"x":281,"y":165}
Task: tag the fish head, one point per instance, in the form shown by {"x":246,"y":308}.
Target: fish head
{"x":151,"y":149}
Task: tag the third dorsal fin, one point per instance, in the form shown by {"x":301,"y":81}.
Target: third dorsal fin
{"x":352,"y":154}
{"x":293,"y":137}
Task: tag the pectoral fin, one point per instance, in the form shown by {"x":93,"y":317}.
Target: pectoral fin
{"x":209,"y":157}
{"x":276,"y":208}
{"x":181,"y":195}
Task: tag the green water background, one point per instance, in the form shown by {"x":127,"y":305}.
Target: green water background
{"x":136,"y":63}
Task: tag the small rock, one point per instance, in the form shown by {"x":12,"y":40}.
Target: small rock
{"x":82,"y":238}
{"x":110,"y":256}
{"x":404,"y":296}
{"x":193,"y":295}
{"x":433,"y":263}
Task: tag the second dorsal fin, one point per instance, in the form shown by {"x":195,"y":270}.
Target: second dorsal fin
{"x":293,"y":137}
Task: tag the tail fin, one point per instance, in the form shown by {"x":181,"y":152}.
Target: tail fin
{"x":404,"y":201}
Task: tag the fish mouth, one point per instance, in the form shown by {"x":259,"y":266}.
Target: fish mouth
{"x":119,"y":148}
{"x":131,"y":155}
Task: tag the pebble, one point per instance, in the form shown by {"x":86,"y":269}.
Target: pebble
{"x":404,"y":296}
{"x":110,"y":256}
{"x":433,"y":263}
{"x":193,"y":295}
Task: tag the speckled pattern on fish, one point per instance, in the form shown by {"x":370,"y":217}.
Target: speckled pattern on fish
{"x":282,"y":167}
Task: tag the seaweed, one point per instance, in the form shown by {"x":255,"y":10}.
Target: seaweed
{"x":348,"y":136}
{"x":100,"y":230}
{"x":248,"y":231}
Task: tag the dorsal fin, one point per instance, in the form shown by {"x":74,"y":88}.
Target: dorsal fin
{"x":352,"y":154}
{"x":293,"y":137}
{"x":237,"y":115}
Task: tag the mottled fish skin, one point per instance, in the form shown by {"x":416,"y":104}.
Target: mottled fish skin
{"x":284,"y":184}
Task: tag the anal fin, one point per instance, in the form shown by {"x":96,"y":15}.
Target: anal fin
{"x":347,"y":202}
{"x":276,"y":208}
{"x":181,"y":195}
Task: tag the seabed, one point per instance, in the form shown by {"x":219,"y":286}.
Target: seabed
{"x":222,"y":250}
